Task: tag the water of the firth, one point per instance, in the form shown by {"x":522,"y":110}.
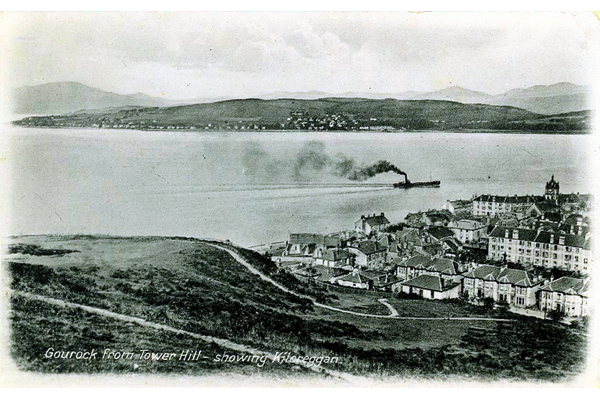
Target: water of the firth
{"x":244,"y":186}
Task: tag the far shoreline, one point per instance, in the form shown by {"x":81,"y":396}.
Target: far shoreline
{"x":493,"y":131}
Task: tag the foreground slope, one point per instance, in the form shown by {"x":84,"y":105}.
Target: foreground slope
{"x":190,"y":286}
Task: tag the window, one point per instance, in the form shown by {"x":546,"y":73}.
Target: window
{"x":520,"y":301}
{"x":585,"y":260}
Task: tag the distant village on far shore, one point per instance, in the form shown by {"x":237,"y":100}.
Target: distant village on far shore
{"x":529,"y":254}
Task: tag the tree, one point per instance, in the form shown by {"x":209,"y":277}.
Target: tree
{"x":503,"y":307}
{"x":556,"y":315}
{"x":488,"y":303}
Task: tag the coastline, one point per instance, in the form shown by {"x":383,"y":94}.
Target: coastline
{"x":452,"y":131}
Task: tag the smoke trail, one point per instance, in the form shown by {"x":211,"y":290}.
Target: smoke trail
{"x":253,"y":158}
{"x":380,"y":167}
{"x":311,"y":159}
{"x":312,"y":162}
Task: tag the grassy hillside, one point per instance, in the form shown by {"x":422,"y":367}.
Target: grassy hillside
{"x":192,"y":286}
{"x":327,"y":113}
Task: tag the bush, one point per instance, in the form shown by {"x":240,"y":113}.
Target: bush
{"x":409,"y":296}
{"x":488,"y":303}
{"x":556,"y":315}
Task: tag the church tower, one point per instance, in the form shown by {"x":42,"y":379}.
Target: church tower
{"x":552,"y":189}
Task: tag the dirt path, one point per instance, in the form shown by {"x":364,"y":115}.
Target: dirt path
{"x":394,"y":313}
{"x":209,"y":339}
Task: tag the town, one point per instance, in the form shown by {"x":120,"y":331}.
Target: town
{"x":298,"y":120}
{"x":530,"y":254}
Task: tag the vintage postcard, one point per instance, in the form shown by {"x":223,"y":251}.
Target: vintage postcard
{"x":299,"y":199}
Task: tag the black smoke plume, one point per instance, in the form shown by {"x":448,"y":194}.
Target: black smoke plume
{"x":380,"y":167}
{"x":311,"y":162}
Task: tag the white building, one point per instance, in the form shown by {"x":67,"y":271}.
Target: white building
{"x":541,"y":248}
{"x":568,"y":295}
{"x":467,"y":230}
{"x":514,"y":286}
{"x":493,"y":205}
{"x":371,"y":223}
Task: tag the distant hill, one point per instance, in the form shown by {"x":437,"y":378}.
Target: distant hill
{"x":321,"y":114}
{"x":542,"y":99}
{"x":314,"y":95}
{"x":552,"y":99}
{"x":66,"y":97}
{"x":455,"y":93}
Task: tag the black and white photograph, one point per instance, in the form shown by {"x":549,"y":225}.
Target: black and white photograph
{"x":299,"y":199}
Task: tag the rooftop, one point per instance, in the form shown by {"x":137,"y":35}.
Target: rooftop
{"x":505,"y":199}
{"x":375,"y":220}
{"x":429,"y":282}
{"x":541,"y":236}
{"x":440,"y":232}
{"x":369,"y":247}
{"x":568,"y":286}
{"x":501,"y":275}
{"x":467,"y":224}
{"x":442,"y":265}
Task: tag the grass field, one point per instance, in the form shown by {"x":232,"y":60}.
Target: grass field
{"x":192,"y":286}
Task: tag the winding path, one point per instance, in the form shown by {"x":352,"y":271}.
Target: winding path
{"x":393,"y":312}
{"x":209,"y":339}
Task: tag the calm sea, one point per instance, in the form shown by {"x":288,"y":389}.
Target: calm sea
{"x":257,"y":187}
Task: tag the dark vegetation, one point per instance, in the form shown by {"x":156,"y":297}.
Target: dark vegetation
{"x":524,"y":349}
{"x":38,"y":326}
{"x":35,"y":250}
{"x":201,"y":289}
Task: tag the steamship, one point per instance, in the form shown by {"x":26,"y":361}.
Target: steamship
{"x":408,"y":184}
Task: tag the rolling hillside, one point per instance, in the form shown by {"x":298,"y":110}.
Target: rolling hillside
{"x":68,"y":97}
{"x":326,"y":113}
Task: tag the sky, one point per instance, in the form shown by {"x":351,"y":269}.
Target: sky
{"x":228,"y":54}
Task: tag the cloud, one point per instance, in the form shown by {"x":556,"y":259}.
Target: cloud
{"x":190,"y":54}
{"x":312,"y":45}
